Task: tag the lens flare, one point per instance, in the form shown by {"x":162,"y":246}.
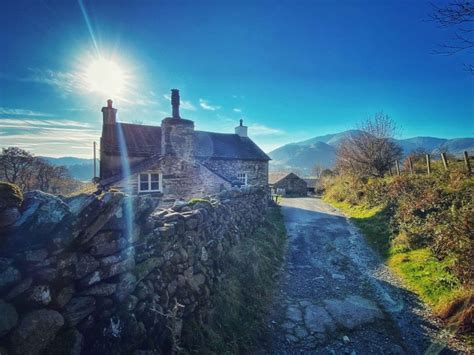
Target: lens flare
{"x":105,"y":77}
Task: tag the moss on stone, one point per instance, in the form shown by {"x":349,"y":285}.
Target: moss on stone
{"x":10,"y":195}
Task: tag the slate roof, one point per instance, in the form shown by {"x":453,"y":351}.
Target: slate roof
{"x":143,"y":141}
{"x":311,"y":182}
{"x":274,"y":177}
{"x":227,"y":146}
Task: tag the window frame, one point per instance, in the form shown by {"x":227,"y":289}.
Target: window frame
{"x":245,"y":178}
{"x":150,"y":181}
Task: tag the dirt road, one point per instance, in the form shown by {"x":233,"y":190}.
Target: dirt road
{"x":336,"y":296}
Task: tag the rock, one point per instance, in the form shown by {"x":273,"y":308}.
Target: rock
{"x":301,"y":332}
{"x":5,"y":263}
{"x":130,"y":303}
{"x":204,"y":254}
{"x":40,"y":294}
{"x":178,"y":205}
{"x":346,"y":339}
{"x":353,"y":311}
{"x":41,"y":213}
{"x":144,"y":268}
{"x":318,"y":320}
{"x":294,"y":314}
{"x":67,"y":260}
{"x":108,"y":245}
{"x":9,"y":275}
{"x":125,"y":286}
{"x":78,"y":308}
{"x":97,"y":214}
{"x":19,"y":288}
{"x":67,"y":342}
{"x":85,"y":266}
{"x":36,"y":331}
{"x":9,"y":216}
{"x":35,"y":256}
{"x":64,"y":296}
{"x":48,"y":274}
{"x":10,"y":195}
{"x":197,"y":280}
{"x":8,"y":317}
{"x":103,"y":289}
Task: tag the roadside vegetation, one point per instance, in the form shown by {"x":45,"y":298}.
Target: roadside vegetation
{"x":237,"y":321}
{"x":422,"y":225}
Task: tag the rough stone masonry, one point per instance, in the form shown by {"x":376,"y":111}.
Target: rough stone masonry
{"x":75,"y":277}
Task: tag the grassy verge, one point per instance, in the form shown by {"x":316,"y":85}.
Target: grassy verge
{"x":421,"y":272}
{"x":241,"y":301}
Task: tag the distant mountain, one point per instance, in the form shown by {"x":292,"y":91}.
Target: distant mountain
{"x":80,"y":169}
{"x":302,"y":156}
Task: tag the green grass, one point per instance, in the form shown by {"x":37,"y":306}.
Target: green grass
{"x":421,"y":272}
{"x":241,"y":300}
{"x":427,"y":276}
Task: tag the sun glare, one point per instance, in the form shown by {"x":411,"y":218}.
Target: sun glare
{"x":105,"y":77}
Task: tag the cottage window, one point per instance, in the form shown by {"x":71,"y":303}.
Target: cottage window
{"x":242,"y":177}
{"x":149,"y":182}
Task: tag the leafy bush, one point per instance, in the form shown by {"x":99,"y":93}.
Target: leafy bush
{"x":425,"y":211}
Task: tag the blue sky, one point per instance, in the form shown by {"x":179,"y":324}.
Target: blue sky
{"x":291,"y":69}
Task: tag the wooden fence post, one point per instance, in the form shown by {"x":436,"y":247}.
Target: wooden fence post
{"x":398,"y":167}
{"x":445,"y":161}
{"x":411,"y":165}
{"x":428,"y":164}
{"x":467,"y":162}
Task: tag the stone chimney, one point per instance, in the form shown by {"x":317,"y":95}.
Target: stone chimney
{"x":177,"y":134}
{"x":175,"y":102}
{"x":109,"y":113}
{"x":241,"y":130}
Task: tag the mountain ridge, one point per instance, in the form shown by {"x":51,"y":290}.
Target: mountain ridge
{"x":303,"y":155}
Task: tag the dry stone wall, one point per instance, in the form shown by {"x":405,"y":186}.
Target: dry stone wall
{"x":111,"y":274}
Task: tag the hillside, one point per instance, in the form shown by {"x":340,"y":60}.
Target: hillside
{"x":80,"y":169}
{"x":302,"y":156}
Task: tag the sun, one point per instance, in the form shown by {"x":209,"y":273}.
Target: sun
{"x":105,"y":77}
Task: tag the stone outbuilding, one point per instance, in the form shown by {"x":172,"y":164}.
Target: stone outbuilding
{"x":174,"y":161}
{"x":287,"y":184}
{"x":313,"y":185}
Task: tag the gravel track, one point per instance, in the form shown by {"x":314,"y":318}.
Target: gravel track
{"x":335,"y":296}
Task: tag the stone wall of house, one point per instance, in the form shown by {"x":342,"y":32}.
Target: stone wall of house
{"x":108,"y":274}
{"x":257,"y":170}
{"x":181,"y":179}
{"x":293,"y":186}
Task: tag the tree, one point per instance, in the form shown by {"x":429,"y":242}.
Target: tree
{"x":15,"y":166}
{"x":458,"y":15}
{"x":316,"y":170}
{"x":371,"y":150}
{"x":20,"y":167}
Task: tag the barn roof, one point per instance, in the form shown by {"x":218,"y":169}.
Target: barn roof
{"x":275,"y":177}
{"x":143,"y":141}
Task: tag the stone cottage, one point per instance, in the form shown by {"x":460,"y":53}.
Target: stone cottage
{"x":174,"y":161}
{"x":287,"y":184}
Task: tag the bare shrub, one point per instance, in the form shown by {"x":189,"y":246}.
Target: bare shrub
{"x":371,"y":151}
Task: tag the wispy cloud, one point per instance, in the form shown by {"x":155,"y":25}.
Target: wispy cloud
{"x":49,"y":137}
{"x":22,"y":112}
{"x":183,"y":104}
{"x":75,"y":82}
{"x":45,"y":124}
{"x":236,"y":109}
{"x":207,"y":106}
{"x":257,"y":129}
